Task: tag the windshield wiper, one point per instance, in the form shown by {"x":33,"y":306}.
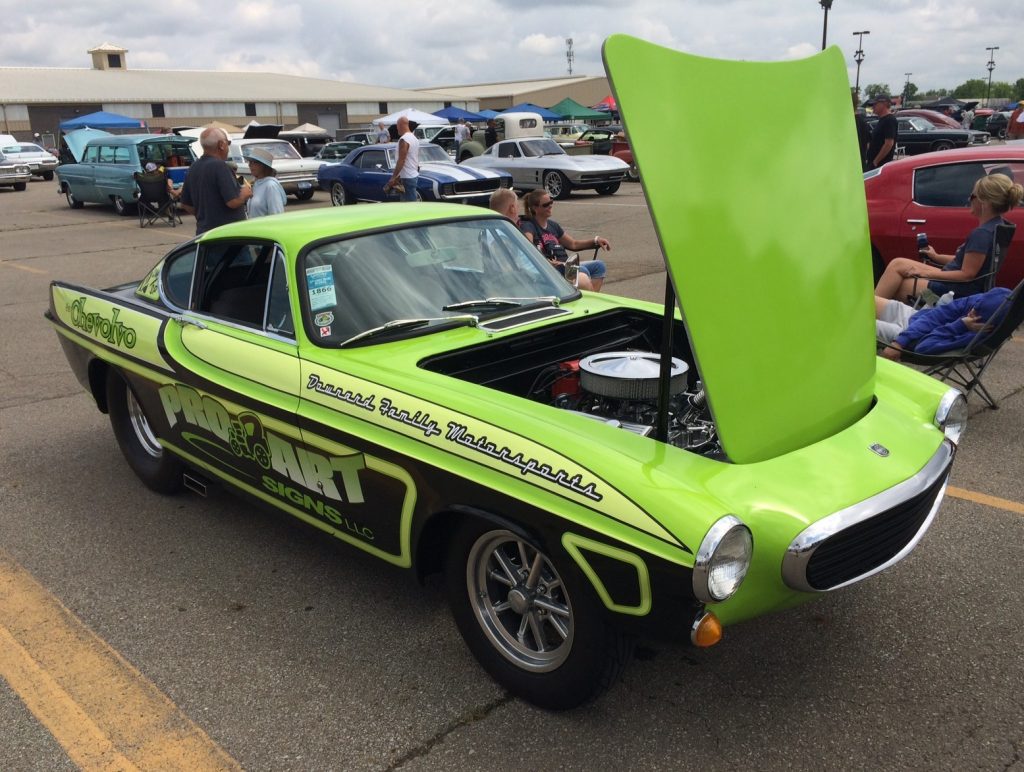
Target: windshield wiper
{"x":408,"y":324}
{"x":517,"y":302}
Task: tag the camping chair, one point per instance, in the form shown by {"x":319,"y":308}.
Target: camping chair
{"x":965,"y":366}
{"x":1003,"y":237}
{"x":155,"y":202}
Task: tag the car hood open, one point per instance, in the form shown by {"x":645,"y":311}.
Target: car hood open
{"x":763,"y":225}
{"x":76,"y":140}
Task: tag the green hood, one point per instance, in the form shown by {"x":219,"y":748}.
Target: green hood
{"x":754,"y":182}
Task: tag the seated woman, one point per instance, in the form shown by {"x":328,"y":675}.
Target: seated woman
{"x":548,"y":236}
{"x":906,"y":279}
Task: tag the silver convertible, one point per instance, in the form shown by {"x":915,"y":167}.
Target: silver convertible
{"x":537,"y":162}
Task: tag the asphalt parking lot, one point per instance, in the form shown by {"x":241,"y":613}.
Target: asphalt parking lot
{"x":266,"y":646}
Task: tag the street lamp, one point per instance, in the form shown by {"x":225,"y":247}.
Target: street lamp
{"x":826,"y":4}
{"x":858,"y":57}
{"x":991,"y":66}
{"x":906,"y":88}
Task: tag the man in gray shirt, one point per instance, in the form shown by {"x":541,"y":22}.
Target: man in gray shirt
{"x":211,"y":191}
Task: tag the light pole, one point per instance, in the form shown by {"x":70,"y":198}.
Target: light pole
{"x":906,"y":88}
{"x":826,"y":4}
{"x":858,"y":57}
{"x":991,"y":66}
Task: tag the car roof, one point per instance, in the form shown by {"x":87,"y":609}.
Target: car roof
{"x":984,"y":153}
{"x":295,"y":230}
{"x":135,"y":139}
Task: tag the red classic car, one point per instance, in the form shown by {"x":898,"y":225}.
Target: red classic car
{"x":928,"y":194}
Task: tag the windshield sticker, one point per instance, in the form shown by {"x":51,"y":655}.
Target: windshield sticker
{"x":325,"y":332}
{"x":110,"y":330}
{"x":323,"y":319}
{"x":320,"y":281}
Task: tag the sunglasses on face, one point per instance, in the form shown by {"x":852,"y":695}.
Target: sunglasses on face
{"x":545,"y":204}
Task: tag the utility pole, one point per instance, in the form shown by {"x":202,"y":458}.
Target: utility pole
{"x":568,"y":53}
{"x":826,"y":4}
{"x":858,"y":57}
{"x":991,"y":66}
{"x":906,"y":88}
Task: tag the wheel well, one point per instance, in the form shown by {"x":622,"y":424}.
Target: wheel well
{"x":98,"y":371}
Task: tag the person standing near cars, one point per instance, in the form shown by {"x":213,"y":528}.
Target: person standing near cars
{"x":461,"y":135}
{"x":490,"y":133}
{"x":268,"y":197}
{"x":407,"y":167}
{"x":1015,"y":126}
{"x":382,"y":134}
{"x":211,"y":191}
{"x":883,"y":138}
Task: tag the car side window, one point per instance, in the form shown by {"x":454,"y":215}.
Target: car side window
{"x":279,"y":312}
{"x":122,"y":155}
{"x":508,"y":150}
{"x":234,"y":282}
{"x":106,"y":154}
{"x":948,"y":185}
{"x":91,"y":155}
{"x":177,"y":276}
{"x":373,"y":159}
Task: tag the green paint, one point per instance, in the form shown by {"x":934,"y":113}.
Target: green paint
{"x":576,"y":545}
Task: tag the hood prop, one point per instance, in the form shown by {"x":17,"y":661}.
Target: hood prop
{"x":665,"y":375}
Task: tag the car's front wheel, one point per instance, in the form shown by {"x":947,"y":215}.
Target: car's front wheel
{"x":73,"y":202}
{"x":47,"y":176}
{"x":304,"y":195}
{"x":609,"y":189}
{"x":532,"y":623}
{"x":557,"y":185}
{"x":20,"y":185}
{"x":340,"y":196}
{"x":139,"y":444}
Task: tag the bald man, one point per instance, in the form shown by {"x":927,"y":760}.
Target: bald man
{"x":211,"y":191}
{"x":407,"y":168}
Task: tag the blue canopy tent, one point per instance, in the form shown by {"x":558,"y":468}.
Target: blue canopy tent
{"x":102,"y":120}
{"x":454,"y":113}
{"x":488,"y":114}
{"x":526,"y":107}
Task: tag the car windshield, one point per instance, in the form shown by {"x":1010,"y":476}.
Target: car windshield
{"x":434,"y":154}
{"x":535,"y":148}
{"x":277,"y":148}
{"x":28,"y":147}
{"x":920,"y":124}
{"x":353,"y":285}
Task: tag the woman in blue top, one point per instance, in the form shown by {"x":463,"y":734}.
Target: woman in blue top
{"x":993,"y":196}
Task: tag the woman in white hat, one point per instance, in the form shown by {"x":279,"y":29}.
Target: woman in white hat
{"x":268,"y":196}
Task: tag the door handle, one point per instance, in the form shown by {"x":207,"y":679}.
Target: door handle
{"x":916,"y":222}
{"x":184,"y":320}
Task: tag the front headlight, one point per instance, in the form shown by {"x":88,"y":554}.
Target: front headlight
{"x":951,"y":414}
{"x":722,"y":560}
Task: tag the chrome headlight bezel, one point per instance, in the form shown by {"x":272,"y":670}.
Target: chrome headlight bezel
{"x":726,"y":530}
{"x":951,"y":415}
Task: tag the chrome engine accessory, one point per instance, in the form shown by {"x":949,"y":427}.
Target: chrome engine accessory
{"x":629,"y":375}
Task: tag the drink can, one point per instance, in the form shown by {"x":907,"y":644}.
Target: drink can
{"x":922,"y":241}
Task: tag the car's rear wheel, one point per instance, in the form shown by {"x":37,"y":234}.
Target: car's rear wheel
{"x":633,"y":175}
{"x":557,"y":185}
{"x":47,"y":176}
{"x":304,"y":195}
{"x":72,"y":201}
{"x":157,"y":468}
{"x":943,"y":144}
{"x":122,"y":207}
{"x":609,"y":189}
{"x":532,"y":623}
{"x":20,"y":185}
{"x":340,"y":196}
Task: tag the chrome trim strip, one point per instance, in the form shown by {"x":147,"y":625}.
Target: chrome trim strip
{"x":794,"y":564}
{"x":696,"y":625}
{"x":702,"y":560}
{"x":551,"y":314}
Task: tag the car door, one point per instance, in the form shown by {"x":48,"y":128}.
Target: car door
{"x":510,"y":158}
{"x":374,"y":171}
{"x":81,"y":177}
{"x":114,"y":173}
{"x":232,"y":409}
{"x":939,"y":208}
{"x":912,"y":138}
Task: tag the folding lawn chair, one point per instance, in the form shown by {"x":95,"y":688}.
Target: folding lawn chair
{"x":965,"y":366}
{"x":155,"y":202}
{"x":1003,"y":237}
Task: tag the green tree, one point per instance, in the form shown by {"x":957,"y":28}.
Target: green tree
{"x":910,"y":90}
{"x":1001,"y":90}
{"x":974,"y":87}
{"x":874,"y":89}
{"x":1018,"y":89}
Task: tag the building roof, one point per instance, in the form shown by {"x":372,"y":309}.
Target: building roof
{"x":511,"y":88}
{"x":52,"y":85}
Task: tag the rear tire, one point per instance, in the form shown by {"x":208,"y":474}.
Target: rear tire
{"x":942,"y":145}
{"x":73,"y":202}
{"x":304,"y":195}
{"x":47,"y":176}
{"x":608,"y":190}
{"x":157,"y":468}
{"x":633,"y":175}
{"x":339,"y":196}
{"x":535,"y":627}
{"x":20,"y":185}
{"x":122,"y":207}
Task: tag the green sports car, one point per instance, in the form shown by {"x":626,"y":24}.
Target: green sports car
{"x":417,"y":381}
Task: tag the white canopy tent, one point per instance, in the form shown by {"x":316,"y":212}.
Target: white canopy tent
{"x":414,"y":115}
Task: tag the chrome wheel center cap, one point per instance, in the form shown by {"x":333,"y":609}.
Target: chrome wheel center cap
{"x":519,"y":601}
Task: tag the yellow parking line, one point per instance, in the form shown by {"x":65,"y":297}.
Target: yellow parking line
{"x":21,"y":267}
{"x":988,"y":501}
{"x":104,"y":713}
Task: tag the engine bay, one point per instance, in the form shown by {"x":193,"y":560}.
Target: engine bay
{"x":605,"y":367}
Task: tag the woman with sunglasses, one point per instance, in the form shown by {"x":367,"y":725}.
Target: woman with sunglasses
{"x":993,"y":196}
{"x":548,"y":236}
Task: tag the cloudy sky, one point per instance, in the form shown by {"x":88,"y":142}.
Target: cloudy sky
{"x":414,"y":43}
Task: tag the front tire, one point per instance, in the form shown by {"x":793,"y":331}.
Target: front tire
{"x":47,"y":176}
{"x":557,"y":185}
{"x":304,"y":195}
{"x":157,"y":468}
{"x":609,"y":189}
{"x":530,"y":621}
{"x":339,"y":196}
{"x":20,"y":185}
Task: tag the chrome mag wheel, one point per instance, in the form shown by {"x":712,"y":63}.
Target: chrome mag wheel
{"x":140,"y":425}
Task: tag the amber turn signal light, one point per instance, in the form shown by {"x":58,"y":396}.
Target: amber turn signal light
{"x":706,"y":630}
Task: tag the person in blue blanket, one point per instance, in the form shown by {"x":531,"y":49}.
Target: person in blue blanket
{"x":937,"y":329}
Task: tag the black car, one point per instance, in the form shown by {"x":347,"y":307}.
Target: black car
{"x":336,"y":151}
{"x":997,"y":124}
{"x":916,"y":135}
